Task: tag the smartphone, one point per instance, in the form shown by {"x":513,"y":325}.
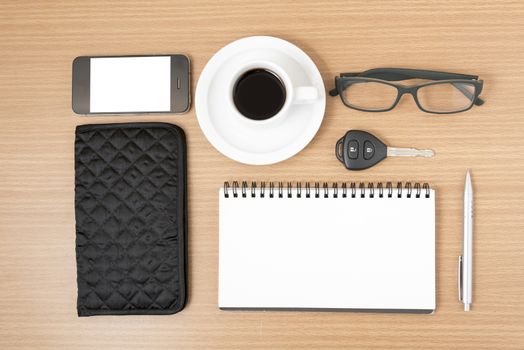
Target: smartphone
{"x":131,"y":84}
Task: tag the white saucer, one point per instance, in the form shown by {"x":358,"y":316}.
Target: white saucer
{"x":247,"y":141}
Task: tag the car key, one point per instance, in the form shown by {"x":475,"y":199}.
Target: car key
{"x":359,"y":150}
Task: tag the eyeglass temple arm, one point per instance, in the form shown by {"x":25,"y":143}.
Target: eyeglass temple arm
{"x":333,"y":92}
{"x":471,"y":96}
{"x":397,"y":74}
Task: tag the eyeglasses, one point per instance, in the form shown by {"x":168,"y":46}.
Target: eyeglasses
{"x":372,"y":90}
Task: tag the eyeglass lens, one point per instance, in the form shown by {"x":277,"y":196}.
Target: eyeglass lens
{"x":446,"y":97}
{"x":369,"y":95}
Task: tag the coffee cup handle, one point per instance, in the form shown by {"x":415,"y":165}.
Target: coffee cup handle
{"x":305,"y":94}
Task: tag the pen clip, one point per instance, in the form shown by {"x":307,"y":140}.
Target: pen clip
{"x":459,"y":278}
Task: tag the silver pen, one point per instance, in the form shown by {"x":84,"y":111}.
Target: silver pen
{"x":465,"y":267}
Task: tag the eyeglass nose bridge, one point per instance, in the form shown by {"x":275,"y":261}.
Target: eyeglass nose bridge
{"x":412,"y":90}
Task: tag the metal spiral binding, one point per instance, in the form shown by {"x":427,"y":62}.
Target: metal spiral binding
{"x":417,"y":190}
{"x":389,"y":187}
{"x":426,"y":188}
{"x":308,"y":189}
{"x":244,"y":188}
{"x":235,"y":187}
{"x":262,"y":189}
{"x":371,"y":189}
{"x":407,"y":189}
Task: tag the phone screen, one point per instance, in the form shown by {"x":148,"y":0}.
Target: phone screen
{"x":130,"y":84}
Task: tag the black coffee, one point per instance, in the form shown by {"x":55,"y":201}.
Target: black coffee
{"x":259,"y":94}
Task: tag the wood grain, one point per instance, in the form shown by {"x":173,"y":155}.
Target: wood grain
{"x":39,"y":40}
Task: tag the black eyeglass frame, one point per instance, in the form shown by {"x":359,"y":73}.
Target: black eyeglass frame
{"x":386,"y":75}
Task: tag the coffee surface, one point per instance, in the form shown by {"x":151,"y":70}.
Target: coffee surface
{"x":259,"y":94}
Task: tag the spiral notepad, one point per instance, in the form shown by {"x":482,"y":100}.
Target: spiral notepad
{"x":349,"y":246}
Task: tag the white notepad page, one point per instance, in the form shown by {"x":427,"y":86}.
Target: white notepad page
{"x":327,"y":253}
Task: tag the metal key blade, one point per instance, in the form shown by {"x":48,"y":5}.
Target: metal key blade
{"x":409,"y":152}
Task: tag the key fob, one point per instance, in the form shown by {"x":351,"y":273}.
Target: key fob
{"x":359,"y":150}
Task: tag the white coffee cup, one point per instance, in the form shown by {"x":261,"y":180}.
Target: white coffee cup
{"x":289,"y":76}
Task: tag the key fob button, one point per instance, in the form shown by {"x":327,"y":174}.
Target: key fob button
{"x":353,"y":149}
{"x":369,"y":150}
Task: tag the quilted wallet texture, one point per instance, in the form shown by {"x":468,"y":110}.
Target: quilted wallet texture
{"x":131,"y":218}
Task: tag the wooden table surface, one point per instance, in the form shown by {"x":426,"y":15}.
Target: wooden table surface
{"x":39,"y":40}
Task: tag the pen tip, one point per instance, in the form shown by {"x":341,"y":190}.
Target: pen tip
{"x":428,"y":153}
{"x":466,"y":307}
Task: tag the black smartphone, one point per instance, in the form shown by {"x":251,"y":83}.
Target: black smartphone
{"x":131,"y":84}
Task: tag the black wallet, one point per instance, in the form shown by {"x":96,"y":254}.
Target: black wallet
{"x":131,"y":219}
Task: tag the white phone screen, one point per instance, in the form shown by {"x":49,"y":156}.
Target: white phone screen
{"x":130,"y":84}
